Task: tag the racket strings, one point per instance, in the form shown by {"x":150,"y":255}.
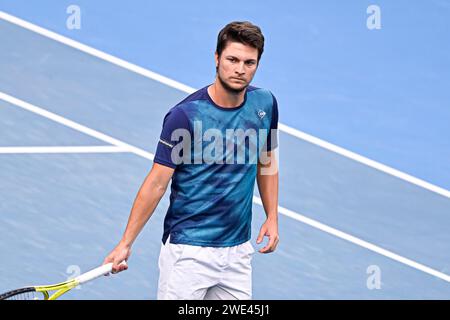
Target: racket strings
{"x":26,"y":296}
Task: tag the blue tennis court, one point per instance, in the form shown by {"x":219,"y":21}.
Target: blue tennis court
{"x":364,"y":141}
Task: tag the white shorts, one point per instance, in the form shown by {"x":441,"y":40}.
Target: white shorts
{"x":189,"y":272}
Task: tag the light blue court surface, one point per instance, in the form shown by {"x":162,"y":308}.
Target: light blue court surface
{"x":381,"y":94}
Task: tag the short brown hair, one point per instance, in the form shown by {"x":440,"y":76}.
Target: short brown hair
{"x":241,"y":31}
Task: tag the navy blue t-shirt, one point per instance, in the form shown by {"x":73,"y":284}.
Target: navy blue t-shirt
{"x":214,"y":152}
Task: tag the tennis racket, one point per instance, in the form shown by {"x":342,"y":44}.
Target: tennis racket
{"x":43,"y":292}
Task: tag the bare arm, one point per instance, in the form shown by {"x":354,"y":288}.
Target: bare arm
{"x":267,"y":179}
{"x":147,"y":199}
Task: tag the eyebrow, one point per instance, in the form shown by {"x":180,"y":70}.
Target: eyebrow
{"x":248,"y":60}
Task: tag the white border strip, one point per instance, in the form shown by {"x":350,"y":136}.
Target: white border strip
{"x":256,"y":200}
{"x":182,"y":87}
{"x":63,"y":149}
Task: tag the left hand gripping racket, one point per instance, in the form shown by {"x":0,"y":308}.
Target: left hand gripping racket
{"x":43,"y":292}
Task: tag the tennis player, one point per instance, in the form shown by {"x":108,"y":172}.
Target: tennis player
{"x":206,"y":251}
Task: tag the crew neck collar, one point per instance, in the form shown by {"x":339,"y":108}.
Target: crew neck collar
{"x":225,"y":108}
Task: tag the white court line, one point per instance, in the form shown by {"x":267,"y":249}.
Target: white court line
{"x":62,"y":149}
{"x":96,"y":53}
{"x":368,"y":162}
{"x":256,"y":200}
{"x":357,"y":241}
{"x":71,"y":124}
{"x":182,"y":87}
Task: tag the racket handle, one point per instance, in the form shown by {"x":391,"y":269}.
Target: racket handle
{"x":93,"y":274}
{"x":97,"y":272}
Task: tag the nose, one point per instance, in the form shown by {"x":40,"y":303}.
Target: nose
{"x":240,"y":69}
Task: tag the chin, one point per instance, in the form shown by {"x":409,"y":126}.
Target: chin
{"x":232,"y":86}
{"x":237,"y":86}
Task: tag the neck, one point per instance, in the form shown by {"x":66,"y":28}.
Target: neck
{"x":225,"y":98}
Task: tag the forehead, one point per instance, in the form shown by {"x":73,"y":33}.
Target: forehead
{"x":240,"y":50}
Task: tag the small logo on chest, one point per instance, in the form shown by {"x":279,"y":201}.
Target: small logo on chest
{"x":261,"y":113}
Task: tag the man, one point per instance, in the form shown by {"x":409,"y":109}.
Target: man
{"x":206,"y":251}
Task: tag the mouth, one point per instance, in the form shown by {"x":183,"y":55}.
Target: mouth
{"x":238,"y":79}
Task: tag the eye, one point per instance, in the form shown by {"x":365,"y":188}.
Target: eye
{"x":250,"y":63}
{"x":232,"y":59}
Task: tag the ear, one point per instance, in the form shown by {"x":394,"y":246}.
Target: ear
{"x":216,"y":58}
